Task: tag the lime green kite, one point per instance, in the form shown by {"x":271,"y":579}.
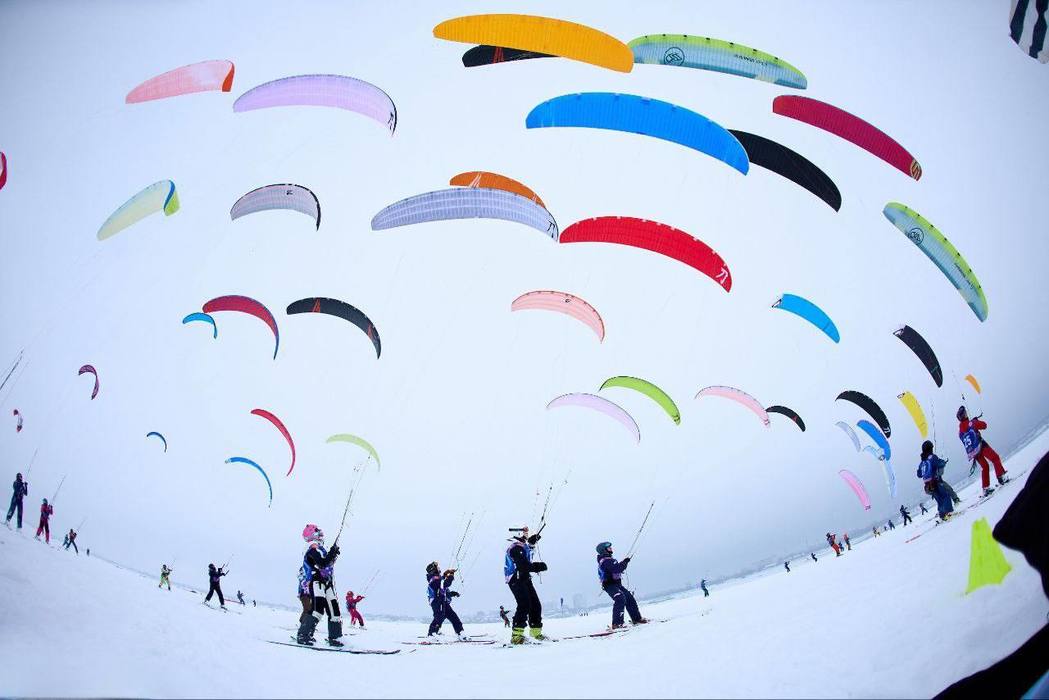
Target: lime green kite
{"x":360,"y":442}
{"x":650,"y":390}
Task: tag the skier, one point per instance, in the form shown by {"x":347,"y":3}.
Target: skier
{"x":215,"y":585}
{"x":503,"y":614}
{"x":906,"y":515}
{"x":922,"y":506}
{"x":929,"y":471}
{"x":165,"y":576}
{"x":786,"y":565}
{"x":240,"y":597}
{"x":977,"y":449}
{"x":833,"y":545}
{"x":438,"y":590}
{"x":351,"y":607}
{"x":19,"y":490}
{"x":876,"y":533}
{"x":518,"y":568}
{"x":46,"y":511}
{"x":703,"y":586}
{"x":71,"y":540}
{"x":610,"y":574}
{"x":813,"y":555}
{"x":890,"y":525}
{"x":848,"y":542}
{"x":318,"y":570}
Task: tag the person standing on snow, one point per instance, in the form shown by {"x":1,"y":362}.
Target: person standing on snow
{"x":833,"y":545}
{"x":876,"y":533}
{"x":240,"y":597}
{"x":813,"y":555}
{"x":703,"y":586}
{"x":503,"y":614}
{"x":922,"y":506}
{"x":351,"y":607}
{"x":518,"y":568}
{"x":929,"y":470}
{"x":71,"y":540}
{"x":318,"y":569}
{"x":610,"y":574}
{"x":215,"y":585}
{"x":19,"y":490}
{"x":977,"y":449}
{"x":165,"y":576}
{"x":890,"y":526}
{"x":906,"y":515}
{"x":438,"y":590}
{"x":848,"y":542}
{"x":46,"y":511}
{"x":786,"y":565}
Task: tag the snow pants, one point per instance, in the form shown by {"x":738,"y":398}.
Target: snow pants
{"x":73,"y":544}
{"x":987,"y":453}
{"x":837,"y":550}
{"x":706,"y":593}
{"x":214,"y":587}
{"x":906,"y":518}
{"x":529,"y":609}
{"x":950,"y":491}
{"x":16,"y":504}
{"x":356,"y":617}
{"x":44,"y":527}
{"x":164,"y":579}
{"x":325,"y":601}
{"x":622,"y":598}
{"x":944,"y":505}
{"x":442,"y":610}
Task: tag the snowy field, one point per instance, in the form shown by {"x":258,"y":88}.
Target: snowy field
{"x":888,"y":619}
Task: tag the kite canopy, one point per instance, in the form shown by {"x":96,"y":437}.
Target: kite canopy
{"x":920,"y":347}
{"x":262,"y":413}
{"x":849,"y":127}
{"x":541,"y":35}
{"x":494,"y":181}
{"x":196,"y":77}
{"x":655,"y":237}
{"x":847,"y":429}
{"x":975,"y":384}
{"x":602,"y":405}
{"x":650,"y":390}
{"x":205,"y":318}
{"x":487,"y":55}
{"x":287,"y":196}
{"x":715,"y":55}
{"x":335,"y":307}
{"x":917,"y":415}
{"x":339,"y":91}
{"x":789,"y":413}
{"x":158,"y":435}
{"x":857,"y":488}
{"x":641,"y":115}
{"x":466,"y":203}
{"x":942,"y":253}
{"x":740,"y":397}
{"x":160,"y":196}
{"x":89,"y":369}
{"x":867,"y":404}
{"x":3,"y":170}
{"x":245,"y":460}
{"x":1027,"y":28}
{"x":245,"y":305}
{"x":789,"y":164}
{"x":18,"y":420}
{"x":564,"y":303}
{"x":876,"y":435}
{"x":804,"y":308}
{"x":360,"y":442}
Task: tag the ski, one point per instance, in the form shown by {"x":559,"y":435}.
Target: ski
{"x":427,"y":643}
{"x":338,"y":650}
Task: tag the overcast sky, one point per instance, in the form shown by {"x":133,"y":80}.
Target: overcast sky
{"x":456,"y":404}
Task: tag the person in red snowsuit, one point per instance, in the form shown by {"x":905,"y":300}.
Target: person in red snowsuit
{"x":46,"y":511}
{"x":351,"y":606}
{"x":833,"y":544}
{"x":976,"y":448}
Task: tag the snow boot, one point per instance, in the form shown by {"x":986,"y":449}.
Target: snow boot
{"x":642,"y":621}
{"x":1002,"y":480}
{"x":987,"y":491}
{"x":517,"y":635}
{"x":537,"y":634}
{"x":334,"y":632}
{"x":306,"y":628}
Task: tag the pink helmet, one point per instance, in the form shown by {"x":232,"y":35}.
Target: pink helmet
{"x":312,"y":533}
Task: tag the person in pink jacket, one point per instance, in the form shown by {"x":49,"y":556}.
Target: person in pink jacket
{"x":351,"y":605}
{"x":46,"y":511}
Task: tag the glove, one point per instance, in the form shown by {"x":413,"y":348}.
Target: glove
{"x":453,"y":594}
{"x":627,"y":560}
{"x":534,"y":538}
{"x":539,"y":567}
{"x":334,"y":551}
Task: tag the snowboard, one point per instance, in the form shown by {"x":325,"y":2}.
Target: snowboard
{"x":338,"y":650}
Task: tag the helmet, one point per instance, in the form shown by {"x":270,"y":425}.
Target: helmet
{"x":433,"y":568}
{"x":45,"y":500}
{"x":604,"y":549}
{"x":961,"y":412}
{"x":312,"y":533}
{"x":926,"y":448}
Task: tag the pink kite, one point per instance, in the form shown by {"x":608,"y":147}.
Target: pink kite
{"x":562,"y":302}
{"x":738,"y":396}
{"x":601,"y":404}
{"x":88,"y":369}
{"x":857,"y":487}
{"x":197,"y":77}
{"x":263,"y":413}
{"x":245,"y":305}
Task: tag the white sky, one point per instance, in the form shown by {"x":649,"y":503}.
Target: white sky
{"x":456,"y":404}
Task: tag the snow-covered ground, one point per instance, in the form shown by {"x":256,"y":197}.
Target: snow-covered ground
{"x":888,"y":619}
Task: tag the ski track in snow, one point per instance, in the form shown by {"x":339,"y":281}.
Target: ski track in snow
{"x":888,"y":619}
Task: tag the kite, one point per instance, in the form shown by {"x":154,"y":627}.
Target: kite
{"x":88,"y":369}
{"x":466,"y":203}
{"x":162,"y":438}
{"x":602,"y":405}
{"x":339,"y":91}
{"x":340,"y":309}
{"x":564,"y":303}
{"x":197,"y":77}
{"x":245,"y":460}
{"x":650,"y":390}
{"x":715,"y":55}
{"x":917,"y":415}
{"x":867,"y":404}
{"x":789,"y":413}
{"x":249,"y":306}
{"x":206,"y":318}
{"x":789,"y":164}
{"x":494,"y":181}
{"x":850,"y":432}
{"x":160,"y":196}
{"x":857,"y":488}
{"x":740,"y":397}
{"x":360,"y":442}
{"x":263,"y":413}
{"x":804,"y":308}
{"x":287,"y":196}
{"x":920,"y":347}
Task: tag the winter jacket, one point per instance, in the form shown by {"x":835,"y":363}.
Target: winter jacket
{"x":318,"y":564}
{"x":610,"y":570}
{"x":931,"y":467}
{"x":214,"y":575}
{"x":437,"y":587}
{"x":518,"y":563}
{"x":46,"y":511}
{"x":21,"y":489}
{"x":351,"y":601}
{"x":969,"y":434}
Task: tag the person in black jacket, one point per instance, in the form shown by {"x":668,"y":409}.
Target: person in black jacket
{"x":215,"y":585}
{"x":318,"y":571}
{"x":438,"y":590}
{"x":610,"y":573}
{"x":19,"y":490}
{"x":518,"y":569}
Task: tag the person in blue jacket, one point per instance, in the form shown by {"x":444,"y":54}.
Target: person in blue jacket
{"x":610,"y":573}
{"x":518,"y":568}
{"x":930,"y":470}
{"x":19,"y":490}
{"x":438,"y":590}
